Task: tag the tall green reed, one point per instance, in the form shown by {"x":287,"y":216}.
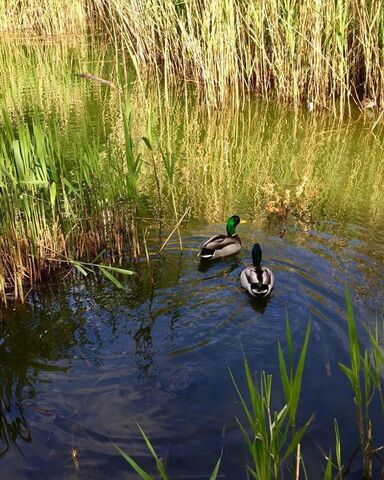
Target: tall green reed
{"x":54,"y":203}
{"x":270,"y":443}
{"x":327,"y":51}
{"x":364,"y":375}
{"x":291,"y":379}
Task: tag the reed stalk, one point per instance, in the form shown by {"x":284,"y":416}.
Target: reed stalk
{"x":330,"y":52}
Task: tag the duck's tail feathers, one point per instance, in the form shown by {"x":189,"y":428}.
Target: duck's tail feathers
{"x":206,"y":253}
{"x":259,"y":288}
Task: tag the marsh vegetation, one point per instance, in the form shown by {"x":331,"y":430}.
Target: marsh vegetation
{"x":329,"y":52}
{"x":59,"y":201}
{"x":127,"y":175}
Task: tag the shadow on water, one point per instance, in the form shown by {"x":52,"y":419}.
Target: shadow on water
{"x":260,"y":304}
{"x":27,"y":347}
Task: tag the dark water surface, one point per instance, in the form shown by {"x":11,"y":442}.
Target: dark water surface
{"x":83,"y":361}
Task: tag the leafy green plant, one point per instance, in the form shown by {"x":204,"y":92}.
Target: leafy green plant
{"x":269,"y":442}
{"x":291,"y":379}
{"x":364,"y":379}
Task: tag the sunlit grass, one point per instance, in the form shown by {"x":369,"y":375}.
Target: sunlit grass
{"x":330,"y":52}
{"x":60,"y":184}
{"x":57,"y":203}
{"x":159,"y":157}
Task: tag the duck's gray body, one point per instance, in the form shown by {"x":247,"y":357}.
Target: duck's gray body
{"x":258,"y":281}
{"x":220,"y":246}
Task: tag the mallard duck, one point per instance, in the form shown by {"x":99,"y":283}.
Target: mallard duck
{"x":223,"y":245}
{"x":257,"y":280}
{"x":367,"y":103}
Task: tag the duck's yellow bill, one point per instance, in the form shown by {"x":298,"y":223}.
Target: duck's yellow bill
{"x":243,"y":221}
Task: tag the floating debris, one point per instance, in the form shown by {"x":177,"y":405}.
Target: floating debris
{"x":89,"y":76}
{"x":75,"y":458}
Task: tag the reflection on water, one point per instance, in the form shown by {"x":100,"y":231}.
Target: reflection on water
{"x":267,"y":161}
{"x":82,"y":362}
{"x":80,"y":365}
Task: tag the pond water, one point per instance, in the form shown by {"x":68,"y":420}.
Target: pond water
{"x":82,"y":362}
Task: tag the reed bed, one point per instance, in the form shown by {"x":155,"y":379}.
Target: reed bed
{"x":57,"y":205}
{"x":271,"y":166}
{"x":72,"y":194}
{"x":75,"y":172}
{"x":331,"y":52}
{"x":44,"y":17}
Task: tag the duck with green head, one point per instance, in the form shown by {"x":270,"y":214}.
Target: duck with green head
{"x":223,"y":245}
{"x":257,"y":279}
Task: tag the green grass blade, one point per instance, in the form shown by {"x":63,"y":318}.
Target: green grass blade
{"x":328,"y":469}
{"x":124,"y":271}
{"x":159,"y":465}
{"x":296,"y":387}
{"x":80,"y":268}
{"x":147,"y":143}
{"x":283,"y":374}
{"x":297,"y":439}
{"x":246,"y":410}
{"x":110,"y":277}
{"x":142,"y":474}
{"x":216,"y":469}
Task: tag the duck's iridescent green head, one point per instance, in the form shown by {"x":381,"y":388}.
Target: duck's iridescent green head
{"x":256,"y":255}
{"x":232,"y":223}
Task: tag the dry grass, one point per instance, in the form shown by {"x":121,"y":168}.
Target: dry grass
{"x":289,"y":49}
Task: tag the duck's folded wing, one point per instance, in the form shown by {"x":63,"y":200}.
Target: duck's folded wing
{"x":268,"y":278}
{"x":219,"y":241}
{"x":251,"y":275}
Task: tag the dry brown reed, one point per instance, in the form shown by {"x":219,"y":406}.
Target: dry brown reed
{"x":327,"y":52}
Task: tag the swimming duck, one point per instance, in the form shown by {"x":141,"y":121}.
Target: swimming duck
{"x":223,"y":245}
{"x":367,"y":103}
{"x":257,"y":280}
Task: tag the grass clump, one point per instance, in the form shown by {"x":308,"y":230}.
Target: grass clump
{"x":56,"y":206}
{"x":273,"y":437}
{"x":365,"y":376}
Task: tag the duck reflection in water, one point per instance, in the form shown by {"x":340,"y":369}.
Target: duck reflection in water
{"x":259,"y":304}
{"x":144,"y":351}
{"x":225,"y":266}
